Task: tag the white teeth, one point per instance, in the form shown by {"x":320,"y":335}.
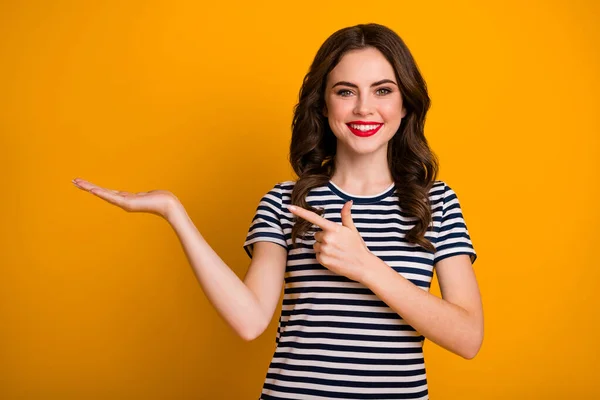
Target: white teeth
{"x":364,"y":127}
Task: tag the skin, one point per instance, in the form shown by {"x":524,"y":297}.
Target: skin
{"x":361,"y":163}
{"x":455,"y":321}
{"x":157,"y":202}
{"x":246,"y":306}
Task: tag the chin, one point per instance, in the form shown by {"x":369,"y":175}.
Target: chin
{"x":366,"y":149}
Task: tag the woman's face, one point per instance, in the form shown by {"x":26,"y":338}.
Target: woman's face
{"x":363,"y":101}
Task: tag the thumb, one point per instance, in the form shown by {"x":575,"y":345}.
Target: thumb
{"x":347,"y":216}
{"x":347,"y":221}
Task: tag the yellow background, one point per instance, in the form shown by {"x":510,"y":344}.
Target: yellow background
{"x":97,"y":303}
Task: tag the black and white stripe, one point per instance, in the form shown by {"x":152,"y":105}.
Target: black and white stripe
{"x":336,"y":339}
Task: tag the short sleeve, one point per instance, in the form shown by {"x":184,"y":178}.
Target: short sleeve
{"x":453,"y":237}
{"x":266,"y":224}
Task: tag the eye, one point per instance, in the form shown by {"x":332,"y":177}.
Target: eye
{"x":343,"y":92}
{"x":386,"y":91}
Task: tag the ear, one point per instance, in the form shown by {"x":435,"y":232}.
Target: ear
{"x":403,"y":112}
{"x":325,"y":110}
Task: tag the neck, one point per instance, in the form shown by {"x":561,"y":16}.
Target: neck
{"x":362,"y":174}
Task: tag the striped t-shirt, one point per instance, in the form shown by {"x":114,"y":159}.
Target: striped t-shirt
{"x":336,"y":339}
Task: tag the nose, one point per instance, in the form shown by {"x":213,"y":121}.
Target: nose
{"x":363,"y":106}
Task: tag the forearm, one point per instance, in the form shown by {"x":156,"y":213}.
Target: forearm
{"x":440,"y":321}
{"x":233,"y":300}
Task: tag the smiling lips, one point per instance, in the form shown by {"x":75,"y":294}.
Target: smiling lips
{"x":364,"y":128}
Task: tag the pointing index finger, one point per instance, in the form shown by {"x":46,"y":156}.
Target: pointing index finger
{"x":314,"y":218}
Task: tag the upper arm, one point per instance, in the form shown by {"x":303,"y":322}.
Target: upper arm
{"x":266,"y":245}
{"x":458,"y":285}
{"x":453,"y":235}
{"x":265,"y":276}
{"x":454,"y":255}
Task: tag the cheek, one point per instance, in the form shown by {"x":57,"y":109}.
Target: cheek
{"x":339,"y":113}
{"x":391,"y":111}
{"x":340,"y":109}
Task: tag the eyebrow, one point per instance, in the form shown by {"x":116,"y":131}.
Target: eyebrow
{"x":381,"y":82}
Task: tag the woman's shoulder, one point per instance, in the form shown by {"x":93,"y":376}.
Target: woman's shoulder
{"x":438,"y":186}
{"x":438,"y":191}
{"x":441,"y":192}
{"x":283,"y":188}
{"x":287,"y":186}
{"x":282,"y":191}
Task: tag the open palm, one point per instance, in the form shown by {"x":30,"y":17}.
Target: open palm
{"x":157,"y":202}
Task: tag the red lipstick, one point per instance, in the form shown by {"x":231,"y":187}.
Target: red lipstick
{"x":362,"y":133}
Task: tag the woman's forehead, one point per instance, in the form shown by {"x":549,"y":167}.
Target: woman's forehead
{"x":362,"y":67}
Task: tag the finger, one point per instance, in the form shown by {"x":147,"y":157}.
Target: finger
{"x":313,"y":218}
{"x":348,"y":222}
{"x":85,"y":185}
{"x":319,"y":236}
{"x":109,"y":196}
{"x":317,"y":247}
{"x":347,"y":216}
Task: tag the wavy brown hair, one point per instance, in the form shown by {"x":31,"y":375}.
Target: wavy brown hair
{"x":413,"y":165}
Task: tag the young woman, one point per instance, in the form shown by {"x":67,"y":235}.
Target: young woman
{"x":355,"y":238}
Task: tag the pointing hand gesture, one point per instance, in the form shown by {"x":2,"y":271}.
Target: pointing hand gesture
{"x":339,"y":248}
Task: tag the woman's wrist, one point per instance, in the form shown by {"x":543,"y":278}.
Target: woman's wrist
{"x":173,"y":209}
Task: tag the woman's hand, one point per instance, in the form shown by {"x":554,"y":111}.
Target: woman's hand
{"x":158,"y":202}
{"x":339,"y":248}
